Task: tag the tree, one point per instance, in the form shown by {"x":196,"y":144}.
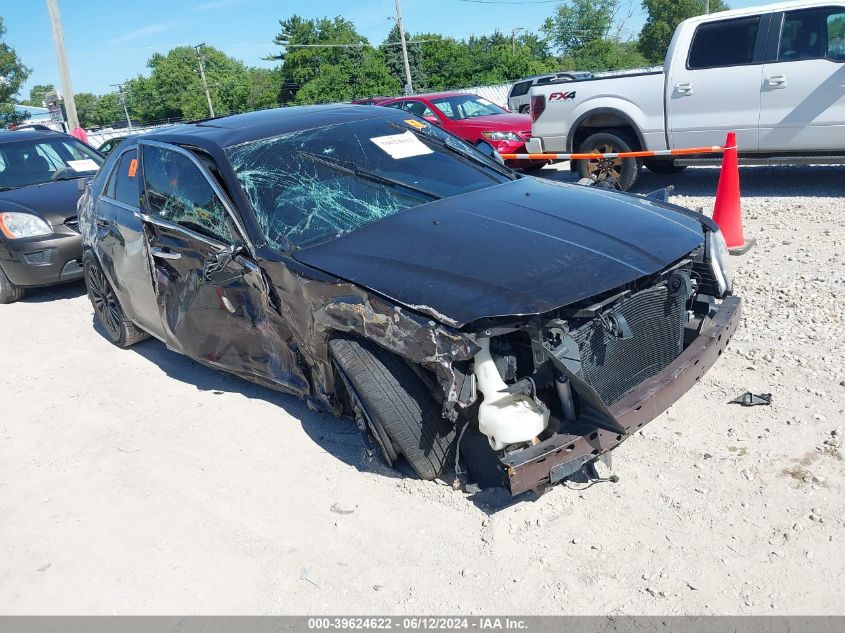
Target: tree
{"x":663,"y":17}
{"x":391,"y":49}
{"x":315,"y":47}
{"x":37,"y":93}
{"x":86,"y":108}
{"x":366,"y":74}
{"x":12,"y":74}
{"x":577,"y":23}
{"x":607,"y":54}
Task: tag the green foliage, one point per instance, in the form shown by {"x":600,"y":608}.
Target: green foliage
{"x":663,"y":17}
{"x":391,"y":49}
{"x":607,"y":54}
{"x":36,"y":94}
{"x":362,"y":75}
{"x":86,"y":108}
{"x":301,"y":65}
{"x":575,"y":24}
{"x":12,"y":75}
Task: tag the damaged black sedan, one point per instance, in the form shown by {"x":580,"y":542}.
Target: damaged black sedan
{"x":376,"y":265}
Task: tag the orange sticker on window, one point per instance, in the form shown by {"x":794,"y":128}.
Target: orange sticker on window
{"x":417,"y":124}
{"x":133,"y":167}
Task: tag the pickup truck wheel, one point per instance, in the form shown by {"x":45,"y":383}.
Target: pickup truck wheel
{"x":118,"y":327}
{"x":9,"y":292}
{"x":523,"y":109}
{"x":662,"y":167}
{"x":623,"y":170}
{"x":398,"y":402}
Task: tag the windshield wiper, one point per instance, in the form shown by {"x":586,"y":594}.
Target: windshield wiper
{"x":349,"y":167}
{"x":467,"y":158}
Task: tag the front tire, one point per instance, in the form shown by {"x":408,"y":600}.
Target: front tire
{"x":398,"y":404}
{"x":107,"y":310}
{"x":623,"y":171}
{"x":9,"y":292}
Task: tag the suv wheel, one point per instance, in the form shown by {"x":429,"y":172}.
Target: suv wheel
{"x":119,"y":329}
{"x":9,"y":292}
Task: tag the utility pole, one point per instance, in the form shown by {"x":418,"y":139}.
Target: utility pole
{"x":409,"y":86}
{"x":198,"y":48}
{"x":706,"y":6}
{"x":123,"y":101}
{"x":61,"y":57}
{"x":513,"y":39}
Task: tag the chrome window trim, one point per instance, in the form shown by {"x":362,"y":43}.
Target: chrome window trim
{"x":218,"y":191}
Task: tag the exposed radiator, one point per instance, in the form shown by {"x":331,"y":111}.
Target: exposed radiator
{"x":614,"y":366}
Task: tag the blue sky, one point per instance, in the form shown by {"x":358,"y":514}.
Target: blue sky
{"x":109,"y":41}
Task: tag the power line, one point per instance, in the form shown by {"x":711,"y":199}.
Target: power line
{"x":513,"y":2}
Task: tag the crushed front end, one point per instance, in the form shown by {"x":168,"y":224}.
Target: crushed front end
{"x":568,"y":386}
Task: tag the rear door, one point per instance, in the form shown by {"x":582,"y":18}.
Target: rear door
{"x":214,"y":300}
{"x":717,"y":88}
{"x":121,"y":246}
{"x":802,"y":98}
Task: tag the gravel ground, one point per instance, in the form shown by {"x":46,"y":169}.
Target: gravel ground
{"x":136,"y":481}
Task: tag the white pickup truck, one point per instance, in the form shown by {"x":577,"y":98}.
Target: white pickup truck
{"x":773,"y":74}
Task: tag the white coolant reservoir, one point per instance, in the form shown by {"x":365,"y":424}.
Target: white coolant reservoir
{"x":504,"y":418}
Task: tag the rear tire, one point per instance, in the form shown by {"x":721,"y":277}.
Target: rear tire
{"x":663,"y":167}
{"x":623,"y":170}
{"x":398,"y":403}
{"x":107,"y":309}
{"x":524,"y":109}
{"x":9,"y":292}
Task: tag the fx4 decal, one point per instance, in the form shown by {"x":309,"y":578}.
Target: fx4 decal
{"x":562,"y":96}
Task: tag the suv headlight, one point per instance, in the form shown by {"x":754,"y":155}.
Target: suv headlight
{"x":718,"y":258}
{"x":17,"y":225}
{"x":501,"y":136}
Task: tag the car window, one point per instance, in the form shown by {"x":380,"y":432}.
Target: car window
{"x":466,"y":107}
{"x":418,"y":108}
{"x":313,"y":185}
{"x":520,"y":88}
{"x":126,"y":187}
{"x":813,"y":34}
{"x":37,"y":161}
{"x":724,"y":43}
{"x":177,"y":191}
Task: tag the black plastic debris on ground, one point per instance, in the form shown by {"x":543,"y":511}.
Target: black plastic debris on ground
{"x":749,"y":399}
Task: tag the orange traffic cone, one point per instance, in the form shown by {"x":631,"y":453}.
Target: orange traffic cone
{"x":726,"y":212}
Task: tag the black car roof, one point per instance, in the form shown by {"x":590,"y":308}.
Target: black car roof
{"x":242,"y":128}
{"x":30,"y":134}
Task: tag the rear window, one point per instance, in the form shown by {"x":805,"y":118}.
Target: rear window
{"x":726,"y":43}
{"x":521,"y":88}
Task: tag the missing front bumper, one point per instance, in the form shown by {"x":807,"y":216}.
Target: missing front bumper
{"x":565,"y":453}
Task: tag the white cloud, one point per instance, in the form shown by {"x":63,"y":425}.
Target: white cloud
{"x":216,"y":4}
{"x":144,"y":31}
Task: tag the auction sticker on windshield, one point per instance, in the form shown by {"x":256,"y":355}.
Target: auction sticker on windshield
{"x":403,"y":145}
{"x":86,"y":164}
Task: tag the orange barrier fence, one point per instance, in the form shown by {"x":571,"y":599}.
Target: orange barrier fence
{"x":714,"y":149}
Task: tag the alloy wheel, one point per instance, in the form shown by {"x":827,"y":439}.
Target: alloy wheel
{"x":104,"y":300}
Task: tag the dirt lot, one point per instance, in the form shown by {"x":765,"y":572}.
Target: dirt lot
{"x":136,"y":481}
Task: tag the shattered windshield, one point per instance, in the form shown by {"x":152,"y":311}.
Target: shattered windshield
{"x":311,"y":186}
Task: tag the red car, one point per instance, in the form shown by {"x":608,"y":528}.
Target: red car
{"x":371,"y":100}
{"x":474,"y":119}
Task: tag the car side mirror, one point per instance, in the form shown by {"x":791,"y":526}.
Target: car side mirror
{"x":490,"y":152}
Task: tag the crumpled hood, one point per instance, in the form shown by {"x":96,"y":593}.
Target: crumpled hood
{"x":521,"y":248}
{"x":54,"y":202}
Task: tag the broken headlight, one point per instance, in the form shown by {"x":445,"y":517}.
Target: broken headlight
{"x":718,"y":258}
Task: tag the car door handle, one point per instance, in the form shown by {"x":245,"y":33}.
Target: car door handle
{"x":776,"y":80}
{"x":684,"y":89}
{"x":163,"y":254}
